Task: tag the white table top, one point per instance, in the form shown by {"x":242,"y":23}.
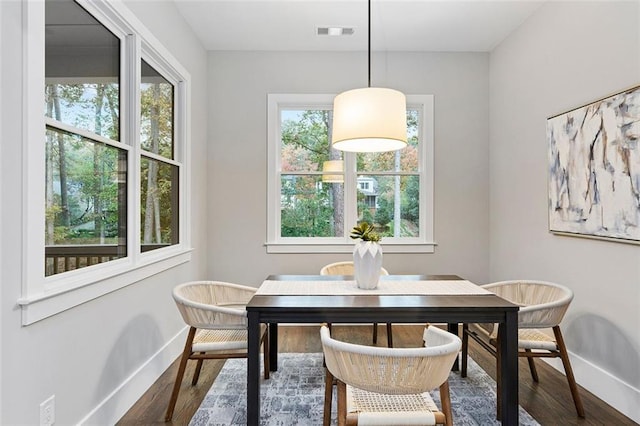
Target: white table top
{"x":385,"y":287}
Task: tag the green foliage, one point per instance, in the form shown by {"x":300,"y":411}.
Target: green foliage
{"x":305,"y":140}
{"x":306,"y":208}
{"x":161,"y":176}
{"x":411,"y":200}
{"x":365,"y":232}
{"x":367,"y":216}
{"x":156,"y":118}
{"x":383,"y":213}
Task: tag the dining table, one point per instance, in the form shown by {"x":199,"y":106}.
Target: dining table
{"x":316,"y":299}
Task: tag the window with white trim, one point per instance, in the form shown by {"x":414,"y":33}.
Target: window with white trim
{"x":110,"y":148}
{"x":85,"y":163}
{"x":316,"y":194}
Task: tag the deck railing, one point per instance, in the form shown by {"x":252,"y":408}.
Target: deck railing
{"x":63,"y":258}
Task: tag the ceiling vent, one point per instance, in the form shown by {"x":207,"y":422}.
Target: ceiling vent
{"x":334,"y":31}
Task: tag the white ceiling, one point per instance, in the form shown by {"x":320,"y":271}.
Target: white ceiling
{"x":396,"y":25}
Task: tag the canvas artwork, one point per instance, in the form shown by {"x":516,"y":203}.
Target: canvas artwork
{"x":594,"y":169}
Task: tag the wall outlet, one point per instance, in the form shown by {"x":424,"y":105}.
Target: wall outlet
{"x":48,"y":411}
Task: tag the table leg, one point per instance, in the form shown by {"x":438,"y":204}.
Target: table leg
{"x":508,"y":332}
{"x":453,"y":328}
{"x":273,"y":346}
{"x":253,"y":369}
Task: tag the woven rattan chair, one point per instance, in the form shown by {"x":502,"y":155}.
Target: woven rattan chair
{"x":346,"y":268}
{"x":215,"y":312}
{"x":542,"y":306}
{"x":390,"y":386}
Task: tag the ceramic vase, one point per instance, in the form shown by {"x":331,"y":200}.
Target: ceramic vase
{"x":367,"y":262}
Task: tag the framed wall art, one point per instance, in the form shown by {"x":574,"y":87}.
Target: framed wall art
{"x":594,"y":169}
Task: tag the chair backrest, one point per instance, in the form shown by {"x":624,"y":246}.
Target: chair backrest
{"x":213,"y":304}
{"x":543,"y":303}
{"x":392,"y":370}
{"x":343,"y":268}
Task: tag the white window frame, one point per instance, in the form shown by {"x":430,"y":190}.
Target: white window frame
{"x":343,"y":244}
{"x":43,"y":296}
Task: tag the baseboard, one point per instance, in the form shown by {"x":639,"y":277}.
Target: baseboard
{"x":115,"y":405}
{"x":618,"y":394}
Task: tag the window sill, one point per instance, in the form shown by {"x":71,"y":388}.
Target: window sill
{"x":37,"y":307}
{"x":347,"y":248}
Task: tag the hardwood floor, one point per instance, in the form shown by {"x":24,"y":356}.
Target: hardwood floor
{"x":549,"y":401}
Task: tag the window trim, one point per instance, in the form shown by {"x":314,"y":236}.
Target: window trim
{"x":276,"y":244}
{"x":43,"y":296}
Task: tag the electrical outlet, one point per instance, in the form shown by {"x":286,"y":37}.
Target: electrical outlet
{"x":48,"y":411}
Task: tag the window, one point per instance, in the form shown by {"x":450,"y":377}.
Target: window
{"x":110,"y":146}
{"x":159,"y":175}
{"x":317,"y":194}
{"x":86,"y":169}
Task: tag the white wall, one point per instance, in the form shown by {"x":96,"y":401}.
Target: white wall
{"x":239,"y":84}
{"x":568,"y":54}
{"x":99,"y":357}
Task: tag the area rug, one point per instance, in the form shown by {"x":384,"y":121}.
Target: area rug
{"x":294,"y":395}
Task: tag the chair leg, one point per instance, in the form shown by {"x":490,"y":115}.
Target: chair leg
{"x":196,"y":373}
{"x":445,"y":400}
{"x":186,"y":353}
{"x":532,"y":367}
{"x":328,"y":398}
{"x":389,"y":335}
{"x":342,"y":403}
{"x":375,"y":333}
{"x":498,"y":382}
{"x":465,"y":350}
{"x":568,"y":371}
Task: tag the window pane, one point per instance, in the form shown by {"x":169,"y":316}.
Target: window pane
{"x":391,"y":203}
{"x":310,"y":207}
{"x":156,"y":107}
{"x":82,"y":70}
{"x":305,"y":140}
{"x":159,"y":204}
{"x":405,"y":160}
{"x":85,"y":198}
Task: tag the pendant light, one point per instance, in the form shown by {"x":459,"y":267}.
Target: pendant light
{"x":371,"y":119}
{"x":335,"y":166}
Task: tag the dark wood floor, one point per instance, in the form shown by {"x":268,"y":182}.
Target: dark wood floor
{"x":549,"y":401}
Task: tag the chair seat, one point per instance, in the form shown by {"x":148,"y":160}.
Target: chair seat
{"x":528,"y":338}
{"x":380,"y":409}
{"x":532,"y":338}
{"x":207,"y":340}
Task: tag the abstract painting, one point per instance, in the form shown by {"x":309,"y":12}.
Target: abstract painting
{"x":594,"y":169}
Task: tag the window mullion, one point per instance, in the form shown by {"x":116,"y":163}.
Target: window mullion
{"x":131,"y":131}
{"x":350,"y":193}
{"x":160,"y":158}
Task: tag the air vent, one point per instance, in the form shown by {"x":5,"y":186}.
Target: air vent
{"x":334,"y":31}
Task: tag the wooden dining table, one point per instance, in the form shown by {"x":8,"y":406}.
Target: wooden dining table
{"x":449,"y":299}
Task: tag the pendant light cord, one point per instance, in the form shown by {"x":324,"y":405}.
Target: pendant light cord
{"x":369,"y":41}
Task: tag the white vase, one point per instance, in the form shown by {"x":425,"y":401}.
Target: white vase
{"x":367,"y":263}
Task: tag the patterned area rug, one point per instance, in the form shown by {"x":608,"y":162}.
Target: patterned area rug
{"x":294,"y":395}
